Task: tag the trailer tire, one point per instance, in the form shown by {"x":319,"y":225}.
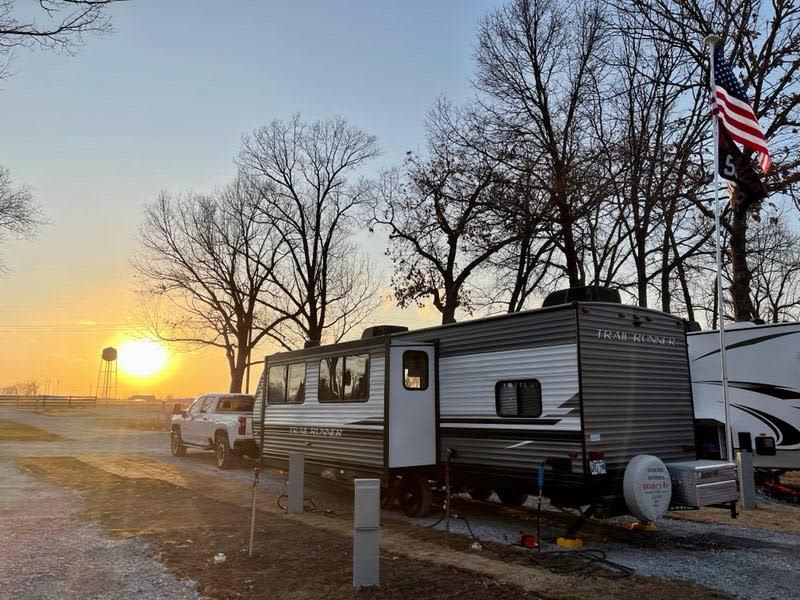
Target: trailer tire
{"x":416,"y":496}
{"x":480,"y":494}
{"x":176,"y":443}
{"x":511,"y":497}
{"x":222,"y":452}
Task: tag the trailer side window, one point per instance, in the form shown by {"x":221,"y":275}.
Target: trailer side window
{"x":356,"y":377}
{"x":518,"y":398}
{"x":415,"y":370}
{"x":296,"y":383}
{"x":276,"y":390}
{"x":330,"y":379}
{"x":344,"y":378}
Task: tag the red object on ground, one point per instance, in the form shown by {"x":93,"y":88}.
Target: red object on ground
{"x":528,"y":540}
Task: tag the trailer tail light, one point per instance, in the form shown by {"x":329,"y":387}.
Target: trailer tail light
{"x":242,"y":425}
{"x":597,"y":463}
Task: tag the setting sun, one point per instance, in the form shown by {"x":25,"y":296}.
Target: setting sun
{"x":142,"y":358}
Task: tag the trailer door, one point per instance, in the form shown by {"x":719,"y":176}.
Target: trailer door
{"x":412,"y":405}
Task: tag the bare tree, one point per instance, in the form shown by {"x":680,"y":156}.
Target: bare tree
{"x":205,"y":266}
{"x":311,"y":194}
{"x":19,"y":214}
{"x":763,"y":42}
{"x":29,"y":387}
{"x":447,"y":215}
{"x":57,"y":25}
{"x":775,"y":264}
{"x":538,"y":62}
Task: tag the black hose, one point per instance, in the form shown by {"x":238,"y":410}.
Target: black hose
{"x":308,"y":504}
{"x":578,"y":562}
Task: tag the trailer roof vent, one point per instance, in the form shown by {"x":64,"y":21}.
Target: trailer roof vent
{"x":377,"y":330}
{"x":586,"y":293}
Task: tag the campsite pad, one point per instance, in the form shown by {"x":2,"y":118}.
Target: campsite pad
{"x":11,"y":431}
{"x":189,"y":517}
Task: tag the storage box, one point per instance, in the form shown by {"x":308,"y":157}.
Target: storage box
{"x":697,"y":483}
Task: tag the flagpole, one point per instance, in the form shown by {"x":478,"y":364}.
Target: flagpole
{"x":711,"y":41}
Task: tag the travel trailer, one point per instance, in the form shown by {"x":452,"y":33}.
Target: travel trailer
{"x":579,"y":388}
{"x":763,"y":391}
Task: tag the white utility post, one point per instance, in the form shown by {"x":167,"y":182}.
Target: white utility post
{"x":296,"y":475}
{"x":366,"y":532}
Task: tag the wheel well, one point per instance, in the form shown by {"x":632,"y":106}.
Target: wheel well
{"x":220,"y":433}
{"x":176,"y":428}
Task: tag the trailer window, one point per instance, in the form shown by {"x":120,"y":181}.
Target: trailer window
{"x":330,"y":379}
{"x":356,"y":377}
{"x":518,"y":398}
{"x":415,"y":370}
{"x":344,"y":378}
{"x":276,"y":388}
{"x":296,"y":383}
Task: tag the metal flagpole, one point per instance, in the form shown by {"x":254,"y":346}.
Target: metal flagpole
{"x":711,"y":41}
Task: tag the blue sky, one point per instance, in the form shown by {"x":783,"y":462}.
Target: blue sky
{"x":163,"y":101}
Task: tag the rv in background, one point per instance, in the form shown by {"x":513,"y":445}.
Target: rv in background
{"x":763,"y":391}
{"x":580,"y":387}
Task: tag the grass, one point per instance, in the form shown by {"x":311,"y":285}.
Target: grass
{"x":11,"y":431}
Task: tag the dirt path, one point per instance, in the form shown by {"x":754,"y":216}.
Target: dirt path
{"x":411,"y":567}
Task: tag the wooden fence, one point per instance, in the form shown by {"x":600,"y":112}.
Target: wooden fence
{"x":46,"y":402}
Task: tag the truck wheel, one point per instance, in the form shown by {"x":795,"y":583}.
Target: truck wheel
{"x":416,"y":496}
{"x":481,"y":494}
{"x":511,"y":497}
{"x":176,"y":443}
{"x":223,"y":453}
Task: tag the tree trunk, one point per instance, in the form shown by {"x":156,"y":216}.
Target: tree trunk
{"x":740,"y":287}
{"x":237,"y":376}
{"x":448,"y":314}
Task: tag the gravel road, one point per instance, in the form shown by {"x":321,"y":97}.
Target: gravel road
{"x":747,"y":563}
{"x":47,"y":552}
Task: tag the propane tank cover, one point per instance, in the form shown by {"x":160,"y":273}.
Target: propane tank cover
{"x":647,"y":487}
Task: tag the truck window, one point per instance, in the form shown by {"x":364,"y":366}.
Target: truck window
{"x":206,"y":405}
{"x":195,"y":407}
{"x":235,"y":404}
{"x":518,"y":398}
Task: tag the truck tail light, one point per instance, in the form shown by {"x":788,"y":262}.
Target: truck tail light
{"x":242,"y":425}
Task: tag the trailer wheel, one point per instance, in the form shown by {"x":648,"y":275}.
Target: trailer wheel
{"x":416,"y":496}
{"x":481,"y":494}
{"x":511,"y":497}
{"x":176,"y":443}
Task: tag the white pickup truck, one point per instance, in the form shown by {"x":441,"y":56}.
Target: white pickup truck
{"x":219,"y":422}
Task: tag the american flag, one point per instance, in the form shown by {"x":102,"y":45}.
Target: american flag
{"x":734,"y":110}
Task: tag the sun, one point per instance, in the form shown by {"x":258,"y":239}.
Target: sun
{"x":142,"y":358}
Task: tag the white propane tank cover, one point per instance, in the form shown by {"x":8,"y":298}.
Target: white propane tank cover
{"x":647,"y":487}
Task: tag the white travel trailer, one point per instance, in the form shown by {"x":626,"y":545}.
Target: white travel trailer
{"x":763,"y":391}
{"x":580,"y":388}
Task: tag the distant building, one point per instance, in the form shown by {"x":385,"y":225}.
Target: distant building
{"x":142,"y":397}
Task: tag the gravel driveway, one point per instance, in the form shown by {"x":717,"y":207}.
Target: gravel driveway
{"x":47,"y":552}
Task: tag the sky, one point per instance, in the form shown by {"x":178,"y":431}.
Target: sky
{"x":161,"y":104}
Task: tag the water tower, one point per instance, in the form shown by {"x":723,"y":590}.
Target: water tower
{"x":107,"y":375}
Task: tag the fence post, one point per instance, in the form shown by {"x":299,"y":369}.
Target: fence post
{"x":366,"y":532}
